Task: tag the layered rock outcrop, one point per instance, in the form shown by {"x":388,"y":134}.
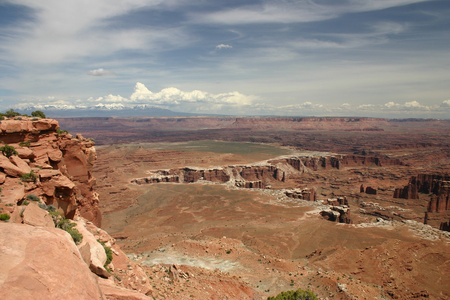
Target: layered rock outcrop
{"x":437,"y":186}
{"x":51,"y":163}
{"x":45,"y":177}
{"x":262,"y":174}
{"x":308,"y":194}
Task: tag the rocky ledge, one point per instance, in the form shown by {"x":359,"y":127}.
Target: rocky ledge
{"x":50,"y":245}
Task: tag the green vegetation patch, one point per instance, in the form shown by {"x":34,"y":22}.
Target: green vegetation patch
{"x":64,"y":224}
{"x":4,"y":217}
{"x":8,"y":150}
{"x":295,"y":295}
{"x":29,"y":177}
{"x":108,"y":252}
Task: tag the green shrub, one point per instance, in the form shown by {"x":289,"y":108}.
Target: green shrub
{"x":75,"y":234}
{"x":61,"y":132}
{"x":295,"y":295}
{"x":38,"y":114}
{"x":11,"y":113}
{"x":68,"y":226}
{"x":4,"y":217}
{"x":50,"y":208}
{"x":29,"y":177}
{"x":18,"y":118}
{"x":33,"y":197}
{"x":25,"y":144}
{"x":108,"y":252}
{"x":8,"y":150}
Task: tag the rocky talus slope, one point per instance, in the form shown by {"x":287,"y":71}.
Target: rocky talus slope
{"x":46,"y":180}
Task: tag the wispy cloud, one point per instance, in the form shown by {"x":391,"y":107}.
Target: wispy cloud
{"x":64,"y":31}
{"x":281,"y":11}
{"x":100,"y":72}
{"x":266,"y":57}
{"x":223,"y":46}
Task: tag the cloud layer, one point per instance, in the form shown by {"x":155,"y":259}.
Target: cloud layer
{"x":235,"y":103}
{"x":264,"y":57}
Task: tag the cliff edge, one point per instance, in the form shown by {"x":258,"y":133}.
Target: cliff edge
{"x":51,"y":245}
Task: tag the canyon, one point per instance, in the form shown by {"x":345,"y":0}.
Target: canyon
{"x":227,"y":208}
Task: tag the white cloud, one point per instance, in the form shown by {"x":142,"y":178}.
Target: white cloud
{"x":407,"y":106}
{"x":112,"y":99}
{"x":282,"y":11}
{"x":100,"y":72}
{"x":62,"y":31}
{"x":445,"y":104}
{"x":223,"y":46}
{"x":174,"y":96}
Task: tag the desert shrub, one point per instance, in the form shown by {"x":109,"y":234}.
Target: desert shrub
{"x":68,"y":226}
{"x":18,"y":118}
{"x":11,"y":113}
{"x":61,"y":132}
{"x":50,"y":208}
{"x":4,"y":217}
{"x":108,"y":252}
{"x":295,"y":295}
{"x":33,"y":197}
{"x":8,"y":150}
{"x":38,"y":114}
{"x":25,"y":144}
{"x":2,"y":118}
{"x":29,"y":177}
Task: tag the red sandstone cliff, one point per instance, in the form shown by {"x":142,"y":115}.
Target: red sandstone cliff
{"x":261,"y":175}
{"x":49,"y":168}
{"x":61,"y":163}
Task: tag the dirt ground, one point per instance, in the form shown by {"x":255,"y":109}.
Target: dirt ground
{"x":210,"y":241}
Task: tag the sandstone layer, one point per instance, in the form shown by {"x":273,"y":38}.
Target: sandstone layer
{"x":46,"y":177}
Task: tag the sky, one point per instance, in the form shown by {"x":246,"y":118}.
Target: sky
{"x":376,"y":58}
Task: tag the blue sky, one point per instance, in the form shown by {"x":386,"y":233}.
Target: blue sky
{"x":384,"y":58}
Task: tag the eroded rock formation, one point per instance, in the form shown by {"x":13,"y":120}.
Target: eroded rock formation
{"x":50,"y":171}
{"x":261,"y":175}
{"x":51,"y":163}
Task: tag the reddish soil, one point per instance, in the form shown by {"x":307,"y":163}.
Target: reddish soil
{"x":250,"y":244}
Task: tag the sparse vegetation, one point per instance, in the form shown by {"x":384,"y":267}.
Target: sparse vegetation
{"x":8,"y":150}
{"x":61,"y":132}
{"x":68,"y":226}
{"x":29,"y":177}
{"x":11,"y":113}
{"x":4,"y":217}
{"x":25,"y":144}
{"x":49,"y":208}
{"x":108,"y":252}
{"x":295,"y":295}
{"x":33,"y":197}
{"x":38,"y":114}
{"x":63,"y":223}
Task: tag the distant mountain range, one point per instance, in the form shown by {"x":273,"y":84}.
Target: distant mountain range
{"x":60,"y":112}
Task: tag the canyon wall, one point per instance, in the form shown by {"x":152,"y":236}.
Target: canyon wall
{"x":59,"y":166}
{"x":46,"y":182}
{"x":261,"y":175}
